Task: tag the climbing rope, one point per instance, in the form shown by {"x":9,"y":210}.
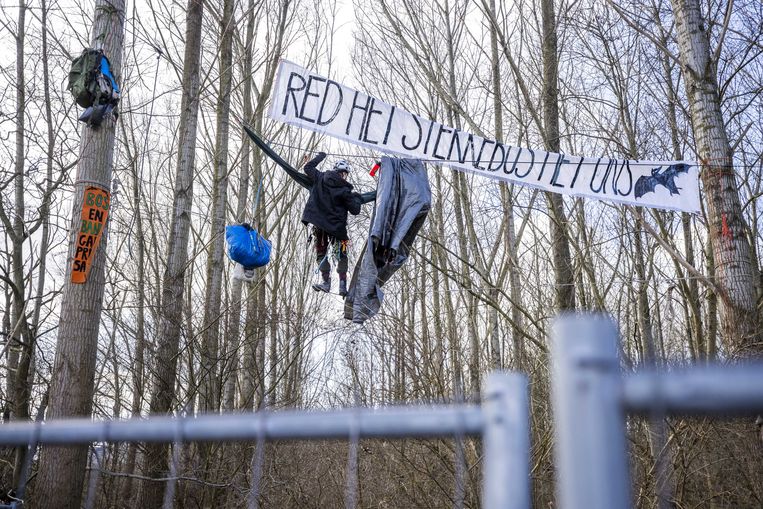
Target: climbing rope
{"x":257,"y":198}
{"x":445,"y":161}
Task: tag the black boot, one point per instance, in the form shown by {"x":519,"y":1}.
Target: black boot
{"x":326,"y":285}
{"x":343,"y":287}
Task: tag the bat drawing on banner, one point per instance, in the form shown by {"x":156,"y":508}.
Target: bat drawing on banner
{"x":666,"y":178}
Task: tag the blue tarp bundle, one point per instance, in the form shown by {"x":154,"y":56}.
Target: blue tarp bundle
{"x":246,"y":246}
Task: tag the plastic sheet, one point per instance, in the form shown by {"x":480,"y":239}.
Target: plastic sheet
{"x":402,"y":204}
{"x":246,"y":246}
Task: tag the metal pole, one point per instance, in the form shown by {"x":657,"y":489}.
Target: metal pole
{"x":592,"y":468}
{"x":506,"y":442}
{"x":706,"y":390}
{"x":392,"y":422}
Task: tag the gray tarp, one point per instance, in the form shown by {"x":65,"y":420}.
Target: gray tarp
{"x":403,"y":199}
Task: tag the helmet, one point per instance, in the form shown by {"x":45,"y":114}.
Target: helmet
{"x":342,"y":166}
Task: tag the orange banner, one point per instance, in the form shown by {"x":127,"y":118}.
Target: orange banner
{"x":95,"y":211}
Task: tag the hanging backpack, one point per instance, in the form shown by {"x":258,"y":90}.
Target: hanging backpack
{"x":246,"y":246}
{"x":93,"y":86}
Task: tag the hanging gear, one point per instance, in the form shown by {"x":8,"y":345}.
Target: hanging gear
{"x":403,"y":205}
{"x":93,"y":86}
{"x":246,"y":246}
{"x":328,"y":247}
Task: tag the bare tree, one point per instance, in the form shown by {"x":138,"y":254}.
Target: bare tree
{"x":229,"y":391}
{"x":62,"y":470}
{"x":19,"y":337}
{"x":565,"y":284}
{"x":211,"y":325}
{"x":171,"y":315}
{"x":483,"y":272}
{"x":734,"y":271}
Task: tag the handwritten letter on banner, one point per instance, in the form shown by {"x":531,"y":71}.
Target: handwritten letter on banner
{"x":314,"y":102}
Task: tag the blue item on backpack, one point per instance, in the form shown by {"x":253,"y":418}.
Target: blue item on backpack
{"x":106,"y":71}
{"x":246,"y":246}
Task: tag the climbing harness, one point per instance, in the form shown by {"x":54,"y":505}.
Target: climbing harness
{"x":334,"y":248}
{"x":246,"y":247}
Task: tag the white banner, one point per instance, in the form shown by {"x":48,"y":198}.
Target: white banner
{"x":314,"y":102}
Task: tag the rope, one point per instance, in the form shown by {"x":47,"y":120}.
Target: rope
{"x":445,"y":161}
{"x":99,"y":185}
{"x":340,"y":246}
{"x":257,"y":198}
{"x":318,"y":268}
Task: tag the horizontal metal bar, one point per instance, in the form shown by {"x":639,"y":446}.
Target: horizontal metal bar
{"x":712,"y":390}
{"x":391,"y":422}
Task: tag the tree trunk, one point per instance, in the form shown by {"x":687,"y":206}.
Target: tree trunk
{"x":255,"y":333}
{"x":731,"y":250}
{"x":495,"y":74}
{"x":50,"y":186}
{"x":712,"y":309}
{"x":138,"y":367}
{"x":62,"y":470}
{"x":270,"y":317}
{"x":451,"y":329}
{"x":563,"y":269}
{"x":439,"y":348}
{"x":6,"y":331}
{"x":216,"y":253}
{"x":21,"y":341}
{"x":461,"y":211}
{"x":229,"y":393}
{"x":691,"y":287}
{"x":171,"y":313}
{"x":515,"y":283}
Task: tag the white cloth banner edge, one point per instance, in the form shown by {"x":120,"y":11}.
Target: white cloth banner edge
{"x":691,"y":203}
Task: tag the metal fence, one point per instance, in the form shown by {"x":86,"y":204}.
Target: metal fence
{"x":591,"y":400}
{"x":592,"y":397}
{"x":502,"y":421}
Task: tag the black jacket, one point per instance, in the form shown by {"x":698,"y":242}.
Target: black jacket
{"x":331,"y":197}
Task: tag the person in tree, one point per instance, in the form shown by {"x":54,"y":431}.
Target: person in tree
{"x":331,"y":197}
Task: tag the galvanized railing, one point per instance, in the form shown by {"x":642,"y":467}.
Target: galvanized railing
{"x":591,"y":399}
{"x":502,"y":420}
